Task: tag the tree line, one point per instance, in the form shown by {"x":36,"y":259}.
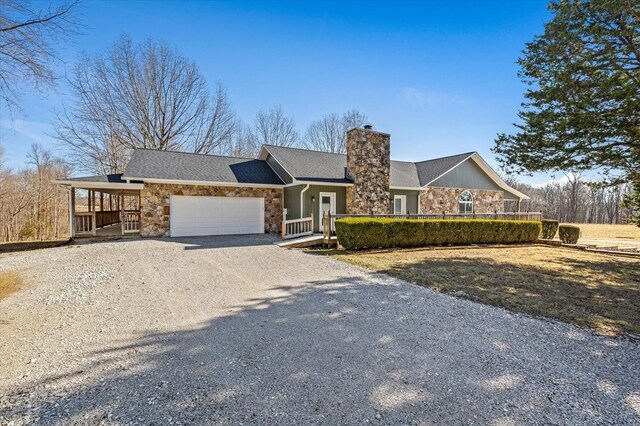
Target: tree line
{"x":576,"y":200}
{"x":31,"y":207}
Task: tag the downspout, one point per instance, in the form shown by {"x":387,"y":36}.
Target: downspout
{"x":302,"y":201}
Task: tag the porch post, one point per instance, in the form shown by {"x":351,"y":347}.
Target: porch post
{"x":93,"y":212}
{"x":101,"y":201}
{"x":121,"y":213}
{"x":72,"y":208}
{"x":519,"y":200}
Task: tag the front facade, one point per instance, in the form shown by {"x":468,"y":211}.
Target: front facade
{"x":182,"y":194}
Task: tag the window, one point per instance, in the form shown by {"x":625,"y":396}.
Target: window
{"x":399,"y":204}
{"x":466,"y":202}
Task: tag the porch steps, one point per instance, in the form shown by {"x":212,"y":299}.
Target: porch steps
{"x":308,"y":241}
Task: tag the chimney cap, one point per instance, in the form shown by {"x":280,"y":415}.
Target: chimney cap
{"x":368,"y":126}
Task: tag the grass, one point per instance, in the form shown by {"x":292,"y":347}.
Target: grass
{"x":10,"y":282}
{"x":587,"y":289}
{"x":621,"y":233}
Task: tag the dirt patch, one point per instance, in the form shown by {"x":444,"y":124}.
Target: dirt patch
{"x":10,"y":282}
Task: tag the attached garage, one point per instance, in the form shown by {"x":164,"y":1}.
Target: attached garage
{"x":203,"y":215}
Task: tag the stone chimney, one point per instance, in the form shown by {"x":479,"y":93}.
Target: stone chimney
{"x":369,"y":167}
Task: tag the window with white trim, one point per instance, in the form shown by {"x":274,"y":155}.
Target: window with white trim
{"x":466,"y":202}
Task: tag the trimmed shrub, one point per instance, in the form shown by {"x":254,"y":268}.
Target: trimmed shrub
{"x":549,"y":229}
{"x":569,"y":234}
{"x":363,"y":232}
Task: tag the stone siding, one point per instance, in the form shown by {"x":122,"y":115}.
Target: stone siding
{"x":439,"y":200}
{"x":369,"y":166}
{"x":155,"y":209}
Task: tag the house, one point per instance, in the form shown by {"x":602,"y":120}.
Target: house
{"x":163,"y":193}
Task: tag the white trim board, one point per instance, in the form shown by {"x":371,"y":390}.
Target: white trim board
{"x":98,"y":185}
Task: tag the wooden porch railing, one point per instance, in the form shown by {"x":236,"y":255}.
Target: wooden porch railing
{"x":297,"y":227}
{"x":131,"y":222}
{"x":83,"y":223}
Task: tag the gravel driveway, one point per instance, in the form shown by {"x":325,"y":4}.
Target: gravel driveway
{"x":237,"y":330}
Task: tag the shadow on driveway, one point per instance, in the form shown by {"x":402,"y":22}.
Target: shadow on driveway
{"x":344,"y":351}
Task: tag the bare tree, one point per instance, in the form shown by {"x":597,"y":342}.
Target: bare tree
{"x":273,"y":127}
{"x":140,"y":96}
{"x":243,"y":143}
{"x":353,"y":118}
{"x":329,"y":133}
{"x":27,"y":37}
{"x":222,"y":124}
{"x":31,"y":207}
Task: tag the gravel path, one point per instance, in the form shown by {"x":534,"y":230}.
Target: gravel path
{"x":237,"y":330}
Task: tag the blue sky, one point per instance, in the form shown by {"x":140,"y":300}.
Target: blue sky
{"x":440,"y":76}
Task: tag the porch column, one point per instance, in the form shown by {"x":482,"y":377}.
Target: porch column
{"x":93,"y":215}
{"x":519,"y":201}
{"x":121,"y":213}
{"x":72,"y":209}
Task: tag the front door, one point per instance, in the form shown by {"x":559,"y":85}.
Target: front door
{"x":327,"y":204}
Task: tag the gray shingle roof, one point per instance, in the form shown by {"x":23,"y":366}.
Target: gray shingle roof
{"x":430,"y":170}
{"x":304,"y":164}
{"x":404,"y":174}
{"x":307,"y":165}
{"x":153,"y":164}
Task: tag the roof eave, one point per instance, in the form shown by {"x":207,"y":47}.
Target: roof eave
{"x":98,"y":185}
{"x":204,"y":183}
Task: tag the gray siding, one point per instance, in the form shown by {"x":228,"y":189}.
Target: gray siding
{"x":292,"y":201}
{"x":467,"y":175}
{"x":278,"y":169}
{"x":509,"y":196}
{"x":412,"y":200}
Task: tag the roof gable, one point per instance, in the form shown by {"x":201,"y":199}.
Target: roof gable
{"x":307,"y":165}
{"x":430,"y":170}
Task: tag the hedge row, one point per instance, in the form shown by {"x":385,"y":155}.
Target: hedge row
{"x":569,"y":234}
{"x":549,"y":229}
{"x":362,"y":232}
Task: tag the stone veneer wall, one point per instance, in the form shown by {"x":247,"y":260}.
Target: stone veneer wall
{"x":369,"y":166}
{"x":155,"y":210}
{"x":438,"y":200}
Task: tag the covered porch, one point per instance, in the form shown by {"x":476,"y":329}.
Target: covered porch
{"x":102,"y":206}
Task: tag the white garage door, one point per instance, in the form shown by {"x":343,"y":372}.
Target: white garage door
{"x":190,"y":216}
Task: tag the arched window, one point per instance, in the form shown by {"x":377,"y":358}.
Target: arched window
{"x":466,"y":202}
